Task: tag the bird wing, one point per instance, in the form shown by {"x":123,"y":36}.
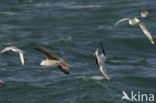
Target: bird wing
{"x":146,"y":32}
{"x":21,"y":57}
{"x":6,"y":49}
{"x":121,"y":20}
{"x":96,"y":60}
{"x":102,"y":67}
{"x":103,"y":51}
{"x":13,"y":48}
{"x":104,"y":72}
{"x":48,"y":54}
{"x":64,"y":69}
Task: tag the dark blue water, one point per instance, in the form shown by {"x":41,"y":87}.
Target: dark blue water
{"x":72,"y":29}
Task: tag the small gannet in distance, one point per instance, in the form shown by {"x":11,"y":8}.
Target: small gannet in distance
{"x":144,"y":13}
{"x":53,"y":60}
{"x":15,"y":49}
{"x":100,"y":61}
{"x":1,"y":82}
{"x":134,"y":21}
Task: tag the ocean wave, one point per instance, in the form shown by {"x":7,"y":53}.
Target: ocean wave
{"x":97,"y":77}
{"x":66,"y":5}
{"x":82,"y":6}
{"x":8,"y":13}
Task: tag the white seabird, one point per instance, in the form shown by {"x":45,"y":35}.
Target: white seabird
{"x":53,"y":60}
{"x":144,"y":13}
{"x":100,"y":61}
{"x":134,"y":21}
{"x":15,"y":49}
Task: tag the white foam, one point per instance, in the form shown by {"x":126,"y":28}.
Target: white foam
{"x":97,"y":77}
{"x":9,"y":13}
{"x":81,"y":6}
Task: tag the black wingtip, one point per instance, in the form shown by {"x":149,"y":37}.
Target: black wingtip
{"x":37,"y":48}
{"x":67,"y":72}
{"x":102,"y":48}
{"x":96,"y":60}
{"x":2,"y":83}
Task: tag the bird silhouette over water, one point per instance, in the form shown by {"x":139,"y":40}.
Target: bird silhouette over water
{"x":134,"y":21}
{"x":100,"y":61}
{"x":14,"y":49}
{"x":53,"y":60}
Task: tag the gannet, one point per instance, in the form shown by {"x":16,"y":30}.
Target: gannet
{"x":134,"y":21}
{"x":100,"y":61}
{"x":53,"y":60}
{"x":15,"y":49}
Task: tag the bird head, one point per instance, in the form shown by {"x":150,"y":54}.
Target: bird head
{"x":43,"y":63}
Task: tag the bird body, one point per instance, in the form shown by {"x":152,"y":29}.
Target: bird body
{"x":100,"y":62}
{"x":134,"y":21}
{"x":49,"y":62}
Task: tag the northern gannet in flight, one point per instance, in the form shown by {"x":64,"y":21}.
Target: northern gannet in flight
{"x":15,"y":49}
{"x":53,"y":60}
{"x":144,"y":13}
{"x":134,"y":21}
{"x":100,"y":61}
